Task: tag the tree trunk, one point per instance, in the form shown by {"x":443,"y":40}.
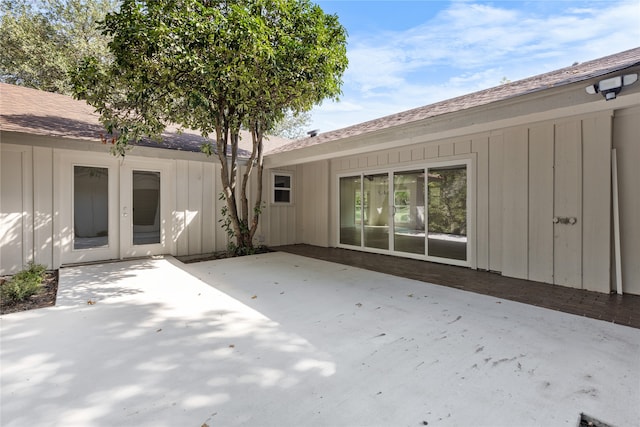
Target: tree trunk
{"x":239,"y":222}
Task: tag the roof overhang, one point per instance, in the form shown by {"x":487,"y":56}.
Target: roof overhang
{"x":85,"y":145}
{"x":550,"y":104}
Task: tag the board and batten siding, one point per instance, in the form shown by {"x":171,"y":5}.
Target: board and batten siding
{"x":279,"y":221}
{"x":626,"y":141}
{"x":33,"y":209}
{"x":315,"y":229}
{"x":26,"y":207}
{"x":16,"y":208}
{"x":524,"y":177}
{"x":197,"y":208}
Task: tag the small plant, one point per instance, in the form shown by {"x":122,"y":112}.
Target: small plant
{"x":23,"y":284}
{"x":226,"y":223}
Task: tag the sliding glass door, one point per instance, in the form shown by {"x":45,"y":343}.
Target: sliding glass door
{"x":419,"y":213}
{"x":376,"y":207}
{"x":351,"y":210}
{"x":408,"y":211}
{"x":447,"y":212}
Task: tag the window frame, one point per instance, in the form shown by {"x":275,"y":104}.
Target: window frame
{"x":469,"y":161}
{"x":275,"y":174}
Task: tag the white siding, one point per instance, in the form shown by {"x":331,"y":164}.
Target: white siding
{"x":541,"y":202}
{"x":524,"y":176}
{"x":515,"y":204}
{"x":181,"y":212}
{"x":596,"y":202}
{"x":16,"y":210}
{"x":43,"y":205}
{"x":315,"y":204}
{"x":210,"y":225}
{"x":36,"y":186}
{"x":567,"y":248}
{"x":197,"y":209}
{"x":626,"y":140}
{"x":496,"y":162}
{"x":480,"y":145}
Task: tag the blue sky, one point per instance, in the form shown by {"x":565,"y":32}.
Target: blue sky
{"x":405,"y":54}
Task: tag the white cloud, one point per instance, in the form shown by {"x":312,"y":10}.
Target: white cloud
{"x":468,"y":47}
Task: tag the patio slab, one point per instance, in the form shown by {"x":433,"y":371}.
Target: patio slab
{"x":283,"y":340}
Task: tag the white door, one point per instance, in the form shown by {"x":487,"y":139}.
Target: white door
{"x":144,"y":208}
{"x":88,"y":209}
{"x":112,"y":209}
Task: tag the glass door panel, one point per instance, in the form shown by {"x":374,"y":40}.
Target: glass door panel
{"x":146,"y":207}
{"x":408,"y":215}
{"x":375,"y":210}
{"x":90,"y":207}
{"x":447,"y":212}
{"x":351,"y":210}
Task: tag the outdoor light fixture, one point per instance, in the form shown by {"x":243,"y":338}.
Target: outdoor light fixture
{"x":610,"y":88}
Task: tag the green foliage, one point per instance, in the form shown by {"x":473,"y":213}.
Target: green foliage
{"x":24,"y":284}
{"x":225,"y":221}
{"x":212,"y":66}
{"x":42,"y":40}
{"x":216,"y":67}
{"x":226,"y":224}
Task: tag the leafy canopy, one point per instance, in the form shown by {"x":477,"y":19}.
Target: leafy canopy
{"x":215,"y":66}
{"x":212,"y":66}
{"x":41,"y":40}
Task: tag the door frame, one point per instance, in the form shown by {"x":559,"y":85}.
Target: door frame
{"x":120,"y":192}
{"x":125,"y":209}
{"x":66,"y":194}
{"x":467,"y":160}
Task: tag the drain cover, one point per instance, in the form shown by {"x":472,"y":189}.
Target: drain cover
{"x":587,"y":421}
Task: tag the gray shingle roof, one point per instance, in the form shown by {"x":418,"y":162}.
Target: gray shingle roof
{"x":561,"y":77}
{"x":37,"y":112}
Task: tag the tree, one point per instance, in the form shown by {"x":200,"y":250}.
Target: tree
{"x":292,"y":125}
{"x":41,"y":40}
{"x":216,"y":67}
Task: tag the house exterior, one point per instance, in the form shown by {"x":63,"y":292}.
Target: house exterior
{"x":515,"y":179}
{"x":65,"y":199}
{"x":534,"y":158}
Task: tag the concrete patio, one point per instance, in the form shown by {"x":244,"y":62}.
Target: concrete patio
{"x":282,"y":340}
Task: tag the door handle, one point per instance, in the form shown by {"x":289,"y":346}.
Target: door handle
{"x":565,"y":220}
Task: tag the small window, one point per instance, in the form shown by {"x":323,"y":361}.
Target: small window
{"x":282,"y":188}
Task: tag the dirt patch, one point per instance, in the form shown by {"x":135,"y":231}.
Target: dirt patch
{"x":45,"y":298}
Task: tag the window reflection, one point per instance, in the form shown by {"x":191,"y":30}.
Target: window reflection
{"x":90,"y":207}
{"x":146,"y":207}
{"x":408,"y":216}
{"x":376,"y":211}
{"x":351,"y":212}
{"x":448,"y":212}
